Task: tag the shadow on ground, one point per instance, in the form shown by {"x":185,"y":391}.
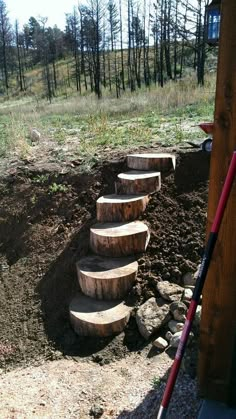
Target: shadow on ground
{"x":184,"y":404}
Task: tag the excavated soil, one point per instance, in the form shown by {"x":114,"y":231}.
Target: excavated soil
{"x":45,"y":217}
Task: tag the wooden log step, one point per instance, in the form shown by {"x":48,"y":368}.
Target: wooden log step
{"x":138,"y":182}
{"x":159,"y":161}
{"x":119,"y":239}
{"x":90,"y":317}
{"x":105,"y":278}
{"x":115,"y":208}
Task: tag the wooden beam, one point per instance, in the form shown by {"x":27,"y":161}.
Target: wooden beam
{"x":218,"y":325}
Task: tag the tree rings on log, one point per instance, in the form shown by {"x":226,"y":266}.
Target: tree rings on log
{"x":106,"y":278}
{"x":90,"y":317}
{"x":120,"y":207}
{"x":119,"y":239}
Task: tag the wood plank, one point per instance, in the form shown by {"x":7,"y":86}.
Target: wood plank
{"x":218,"y":325}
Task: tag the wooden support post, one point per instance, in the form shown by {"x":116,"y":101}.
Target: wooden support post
{"x":218,"y":326}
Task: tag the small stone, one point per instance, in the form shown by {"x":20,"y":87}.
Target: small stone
{"x":96,"y":411}
{"x":35,"y":135}
{"x":195,"y":275}
{"x":175,"y":326}
{"x":179,"y":311}
{"x":197,"y":318}
{"x":169,"y":291}
{"x":188,"y":294}
{"x":168,"y":336}
{"x":160,"y":343}
{"x":174,"y":341}
{"x":189,"y":279}
{"x":190,"y":287}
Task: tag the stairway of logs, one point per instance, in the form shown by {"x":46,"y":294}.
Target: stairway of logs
{"x":106,"y":278}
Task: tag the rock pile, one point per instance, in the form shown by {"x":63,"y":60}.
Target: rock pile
{"x":166,"y":315}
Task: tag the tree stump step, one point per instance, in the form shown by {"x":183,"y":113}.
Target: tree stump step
{"x":138,"y":182}
{"x":115,"y":208}
{"x":119,"y":239}
{"x":106,"y":278}
{"x":90,"y":317}
{"x":158,"y":161}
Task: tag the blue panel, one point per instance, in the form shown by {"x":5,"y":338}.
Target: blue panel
{"x":213,"y":24}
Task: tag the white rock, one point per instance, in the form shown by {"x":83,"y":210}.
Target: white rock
{"x":35,"y":135}
{"x":188,"y":293}
{"x":175,"y":326}
{"x":196,"y":273}
{"x":197,"y":318}
{"x":189,"y":279}
{"x":160,"y":343}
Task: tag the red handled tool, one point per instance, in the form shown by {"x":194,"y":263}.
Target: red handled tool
{"x":198,"y":288}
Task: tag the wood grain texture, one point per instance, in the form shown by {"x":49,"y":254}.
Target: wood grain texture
{"x":218,"y":324}
{"x":106,"y":278}
{"x":138,"y":182}
{"x":154,"y":161}
{"x":90,"y":317}
{"x":115,"y":208}
{"x":119,"y":239}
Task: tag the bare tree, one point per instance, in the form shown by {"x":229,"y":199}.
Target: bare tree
{"x":19,"y":59}
{"x":5,"y":41}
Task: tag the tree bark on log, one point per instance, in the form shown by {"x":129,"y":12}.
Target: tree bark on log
{"x":90,"y":317}
{"x":106,"y":278}
{"x":160,"y":162}
{"x":137,"y":182}
{"x":119,"y":239}
{"x":116,"y":208}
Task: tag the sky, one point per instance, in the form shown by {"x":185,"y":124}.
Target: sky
{"x":53,"y":9}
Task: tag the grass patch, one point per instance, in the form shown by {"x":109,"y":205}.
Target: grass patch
{"x":57,"y":188}
{"x":158,"y":116}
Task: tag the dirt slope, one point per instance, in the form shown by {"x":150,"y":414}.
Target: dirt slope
{"x":45,"y":219}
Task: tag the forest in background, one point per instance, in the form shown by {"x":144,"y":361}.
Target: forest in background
{"x":106,"y":46}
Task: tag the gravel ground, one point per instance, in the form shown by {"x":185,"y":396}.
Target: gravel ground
{"x":78,"y":389}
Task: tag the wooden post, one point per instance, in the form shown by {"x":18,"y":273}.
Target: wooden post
{"x":218,"y":326}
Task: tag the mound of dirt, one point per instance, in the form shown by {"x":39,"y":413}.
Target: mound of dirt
{"x":45,"y":220}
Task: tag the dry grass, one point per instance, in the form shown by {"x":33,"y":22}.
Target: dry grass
{"x":172,"y":95}
{"x":108,"y":122}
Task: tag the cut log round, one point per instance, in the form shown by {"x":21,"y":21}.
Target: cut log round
{"x":138,"y":182}
{"x":106,"y":278}
{"x":119,"y":239}
{"x":115,"y":208}
{"x":159,"y":161}
{"x":90,"y":317}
